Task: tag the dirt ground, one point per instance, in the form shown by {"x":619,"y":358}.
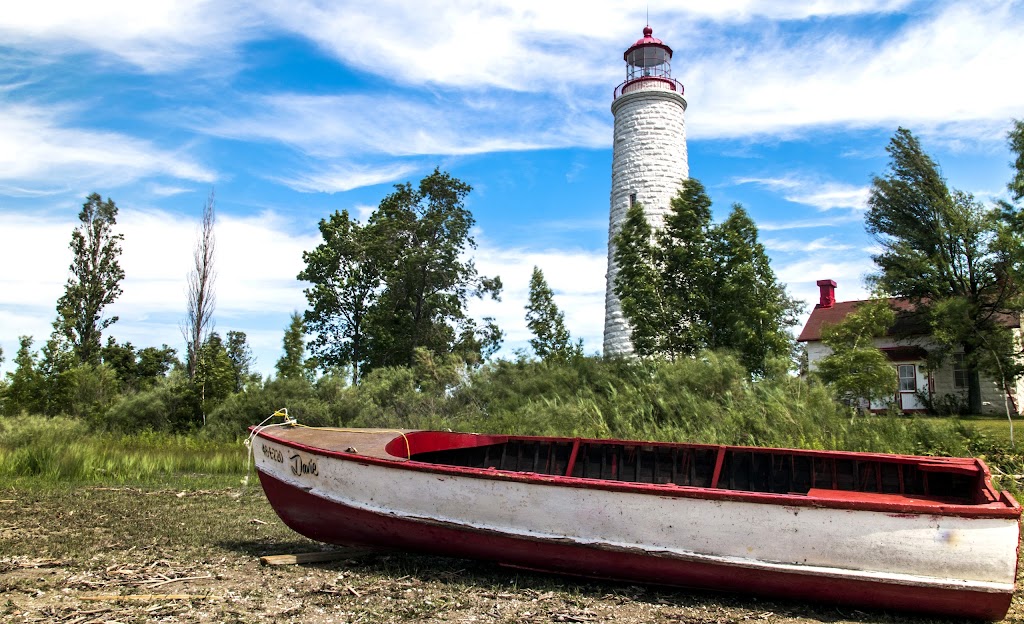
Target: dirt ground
{"x":91,"y":554}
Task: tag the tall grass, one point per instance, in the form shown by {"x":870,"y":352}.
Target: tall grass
{"x":63,"y":449}
{"x":709,"y":399}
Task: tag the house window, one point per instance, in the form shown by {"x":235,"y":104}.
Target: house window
{"x":632,"y":199}
{"x":959,"y":372}
{"x":908,"y":377}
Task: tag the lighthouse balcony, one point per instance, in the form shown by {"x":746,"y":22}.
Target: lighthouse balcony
{"x":648,"y":83}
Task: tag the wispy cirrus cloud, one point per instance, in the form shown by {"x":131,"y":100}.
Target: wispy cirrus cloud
{"x":769,"y":85}
{"x":826,"y":243}
{"x":340,"y":177}
{"x":155,"y":36}
{"x":360,"y":125}
{"x":823,"y":195}
{"x":38,"y":147}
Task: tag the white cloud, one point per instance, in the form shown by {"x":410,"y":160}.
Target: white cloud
{"x":945,"y":73}
{"x":803,"y":224}
{"x":257,"y":260}
{"x":156,"y":35}
{"x":337,"y":178}
{"x":575,"y":276}
{"x":819,"y":244}
{"x":36,"y":148}
{"x":352,"y":126}
{"x":516,"y":44}
{"x":823,"y":195}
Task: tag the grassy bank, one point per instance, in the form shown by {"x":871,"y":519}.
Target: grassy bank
{"x":64,"y":450}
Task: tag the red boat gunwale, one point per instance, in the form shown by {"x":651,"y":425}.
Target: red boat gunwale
{"x":1000,"y":505}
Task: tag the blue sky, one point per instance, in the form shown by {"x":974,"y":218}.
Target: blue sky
{"x":290,"y":111}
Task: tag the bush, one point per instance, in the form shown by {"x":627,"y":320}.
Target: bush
{"x":172,"y":405}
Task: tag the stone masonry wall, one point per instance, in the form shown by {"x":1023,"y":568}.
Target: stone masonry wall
{"x":649,"y":159}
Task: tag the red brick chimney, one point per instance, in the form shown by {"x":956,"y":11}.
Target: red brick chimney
{"x":828,"y":293}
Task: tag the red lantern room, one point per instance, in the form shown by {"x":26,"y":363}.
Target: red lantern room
{"x":648,"y":65}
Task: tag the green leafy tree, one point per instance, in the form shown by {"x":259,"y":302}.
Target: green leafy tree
{"x":24,"y":388}
{"x":242,"y":360}
{"x":378,"y":291}
{"x":856,"y":369}
{"x":699,"y":286}
{"x":551,"y":339}
{"x":215,"y":375}
{"x":687,"y":271}
{"x":95,"y":279}
{"x":137,"y":370}
{"x":153,"y":364}
{"x":292,"y":364}
{"x":1016,"y":140}
{"x":750,"y":311}
{"x":638,"y":283}
{"x":943,"y":251}
{"x":345,"y":282}
{"x":55,"y":366}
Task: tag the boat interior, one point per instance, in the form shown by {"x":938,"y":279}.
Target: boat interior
{"x":779,"y":471}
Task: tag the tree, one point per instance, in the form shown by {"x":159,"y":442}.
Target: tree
{"x":1016,"y":140}
{"x":638,"y":283}
{"x":292,"y":364}
{"x":95,"y":279}
{"x":547,"y":323}
{"x":201,"y":297}
{"x":856,"y":369}
{"x":23,"y":392}
{"x":378,"y":291}
{"x":750,"y":311}
{"x":699,"y":286}
{"x":345,"y":280}
{"x":215,"y":375}
{"x":943,"y":251}
{"x":137,"y":370}
{"x":242,"y":359}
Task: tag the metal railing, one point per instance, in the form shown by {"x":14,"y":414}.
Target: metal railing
{"x":648,"y":83}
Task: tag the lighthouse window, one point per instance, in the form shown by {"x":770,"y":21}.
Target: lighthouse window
{"x":632,"y":199}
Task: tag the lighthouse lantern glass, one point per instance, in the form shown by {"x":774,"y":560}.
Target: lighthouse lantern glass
{"x":647,"y":61}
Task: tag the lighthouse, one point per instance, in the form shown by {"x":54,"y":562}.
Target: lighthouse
{"x":648,"y":159}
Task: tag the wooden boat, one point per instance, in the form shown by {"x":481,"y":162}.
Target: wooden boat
{"x":895,"y":532}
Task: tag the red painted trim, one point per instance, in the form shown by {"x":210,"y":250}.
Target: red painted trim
{"x":895,"y":505}
{"x":332,"y":522}
{"x":718,"y":466}
{"x":572,"y":457}
{"x":675,"y":85}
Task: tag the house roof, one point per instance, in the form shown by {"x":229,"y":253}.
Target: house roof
{"x":908,"y":322}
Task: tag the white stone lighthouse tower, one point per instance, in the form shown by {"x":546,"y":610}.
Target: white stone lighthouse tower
{"x":648,"y":158}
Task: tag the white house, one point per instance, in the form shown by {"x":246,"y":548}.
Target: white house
{"x":908,"y":354}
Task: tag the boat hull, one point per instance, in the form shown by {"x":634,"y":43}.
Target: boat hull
{"x":952,"y":564}
{"x":336,"y":523}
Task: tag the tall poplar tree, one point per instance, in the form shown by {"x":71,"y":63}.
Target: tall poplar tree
{"x":95,"y":280}
{"x":942,"y":250}
{"x":200,"y":291}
